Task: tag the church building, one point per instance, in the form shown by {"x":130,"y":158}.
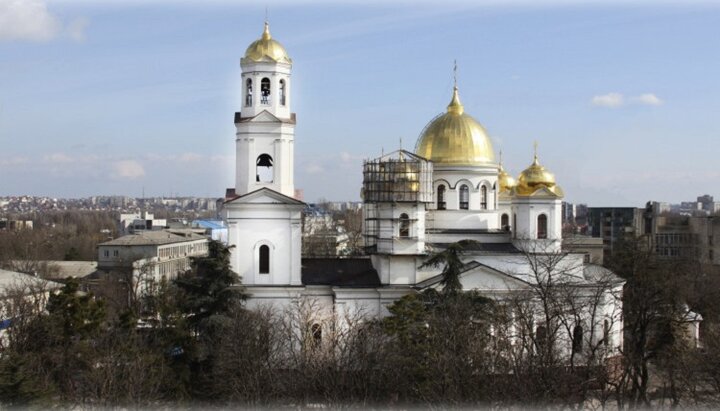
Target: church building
{"x":450,"y":188}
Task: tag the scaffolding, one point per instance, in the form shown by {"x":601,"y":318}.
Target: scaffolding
{"x":400,"y":176}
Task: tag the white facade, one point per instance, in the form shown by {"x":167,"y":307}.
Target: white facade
{"x":511,"y":226}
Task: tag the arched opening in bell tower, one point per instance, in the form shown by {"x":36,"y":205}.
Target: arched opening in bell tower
{"x":264,"y":169}
{"x":248,"y":92}
{"x":265,"y":91}
{"x":281,"y":93}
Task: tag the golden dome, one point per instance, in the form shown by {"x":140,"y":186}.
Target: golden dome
{"x":455,"y":138}
{"x":267,"y":49}
{"x":535,"y":177}
{"x":506,"y":182}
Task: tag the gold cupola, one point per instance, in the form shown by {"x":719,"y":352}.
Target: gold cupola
{"x":266,"y":49}
{"x":455,"y":138}
{"x":535,"y":178}
{"x":506,"y":182}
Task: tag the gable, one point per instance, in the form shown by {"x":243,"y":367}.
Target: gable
{"x":265,"y":196}
{"x":265,"y":117}
{"x":481,"y":277}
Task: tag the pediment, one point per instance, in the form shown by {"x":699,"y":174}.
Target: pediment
{"x":265,"y":117}
{"x":265,"y":196}
{"x":481,"y":277}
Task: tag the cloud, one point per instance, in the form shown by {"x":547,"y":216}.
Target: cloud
{"x":30,"y":20}
{"x":58,"y":158}
{"x":127,"y":169}
{"x":648,"y":99}
{"x":614,"y":100}
{"x":76,"y":29}
{"x":314,"y":168}
{"x":609,"y":100}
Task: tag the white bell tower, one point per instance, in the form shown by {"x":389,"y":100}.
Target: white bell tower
{"x":265,"y":126}
{"x":264,"y":220}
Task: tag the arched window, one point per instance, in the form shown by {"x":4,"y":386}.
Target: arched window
{"x":404,"y":225}
{"x":483,"y":197}
{"x":282,"y":92}
{"x":464,"y":197}
{"x":505,"y":222}
{"x":316,"y":331}
{"x":248,"y":92}
{"x":541,"y":337}
{"x":441,"y":197}
{"x":542,"y":226}
{"x":514,"y":226}
{"x":265,"y":91}
{"x":264,"y":254}
{"x":577,"y":339}
{"x":606,"y":332}
{"x":264,"y":169}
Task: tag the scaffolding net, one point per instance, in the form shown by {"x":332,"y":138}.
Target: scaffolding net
{"x":400,"y":176}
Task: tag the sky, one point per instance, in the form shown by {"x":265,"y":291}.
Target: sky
{"x":133,"y":97}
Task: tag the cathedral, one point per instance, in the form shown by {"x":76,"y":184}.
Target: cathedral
{"x":451,"y":188}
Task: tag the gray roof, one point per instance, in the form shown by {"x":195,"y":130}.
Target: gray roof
{"x":27,"y":282}
{"x":152,"y":238}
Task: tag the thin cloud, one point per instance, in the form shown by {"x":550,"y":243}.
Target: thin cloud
{"x":30,"y":20}
{"x":611,"y":100}
{"x":127,"y":169}
{"x":648,"y":99}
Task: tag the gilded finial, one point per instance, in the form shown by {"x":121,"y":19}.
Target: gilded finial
{"x":500,"y":155}
{"x":535,"y":156}
{"x":266,"y":32}
{"x":455,"y":73}
{"x":455,"y":106}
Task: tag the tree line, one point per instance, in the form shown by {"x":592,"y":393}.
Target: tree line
{"x":193,"y":341}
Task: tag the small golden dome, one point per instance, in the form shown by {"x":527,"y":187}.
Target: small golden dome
{"x":266,"y":49}
{"x":506,"y":182}
{"x":455,"y":138}
{"x":536,"y":177}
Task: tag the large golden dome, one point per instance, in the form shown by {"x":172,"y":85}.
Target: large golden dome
{"x":535,"y":177}
{"x":455,"y":138}
{"x":267,"y":49}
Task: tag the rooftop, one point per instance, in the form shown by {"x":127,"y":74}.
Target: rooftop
{"x":153,"y":238}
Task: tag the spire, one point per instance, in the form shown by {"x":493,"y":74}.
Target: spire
{"x":455,"y":106}
{"x":535,"y":156}
{"x":500,"y":162}
{"x":266,"y":32}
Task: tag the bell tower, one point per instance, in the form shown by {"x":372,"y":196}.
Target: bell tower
{"x":264,"y":220}
{"x":265,"y":126}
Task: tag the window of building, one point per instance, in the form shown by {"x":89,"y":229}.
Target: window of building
{"x":606,"y":332}
{"x":441,"y":197}
{"x":116,"y":253}
{"x":282,"y":92}
{"x":514,"y":226}
{"x":248,"y":92}
{"x":541,"y":337}
{"x":483,"y":198}
{"x":264,"y":169}
{"x":316,"y":331}
{"x":542,"y":226}
{"x":404,"y":225}
{"x":577,"y":339}
{"x":464,"y":197}
{"x":264,"y":252}
{"x":265,"y":91}
{"x":505,"y":222}
{"x":106,"y":253}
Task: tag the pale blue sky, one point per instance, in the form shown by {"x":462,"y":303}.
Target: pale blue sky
{"x":107,"y":99}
